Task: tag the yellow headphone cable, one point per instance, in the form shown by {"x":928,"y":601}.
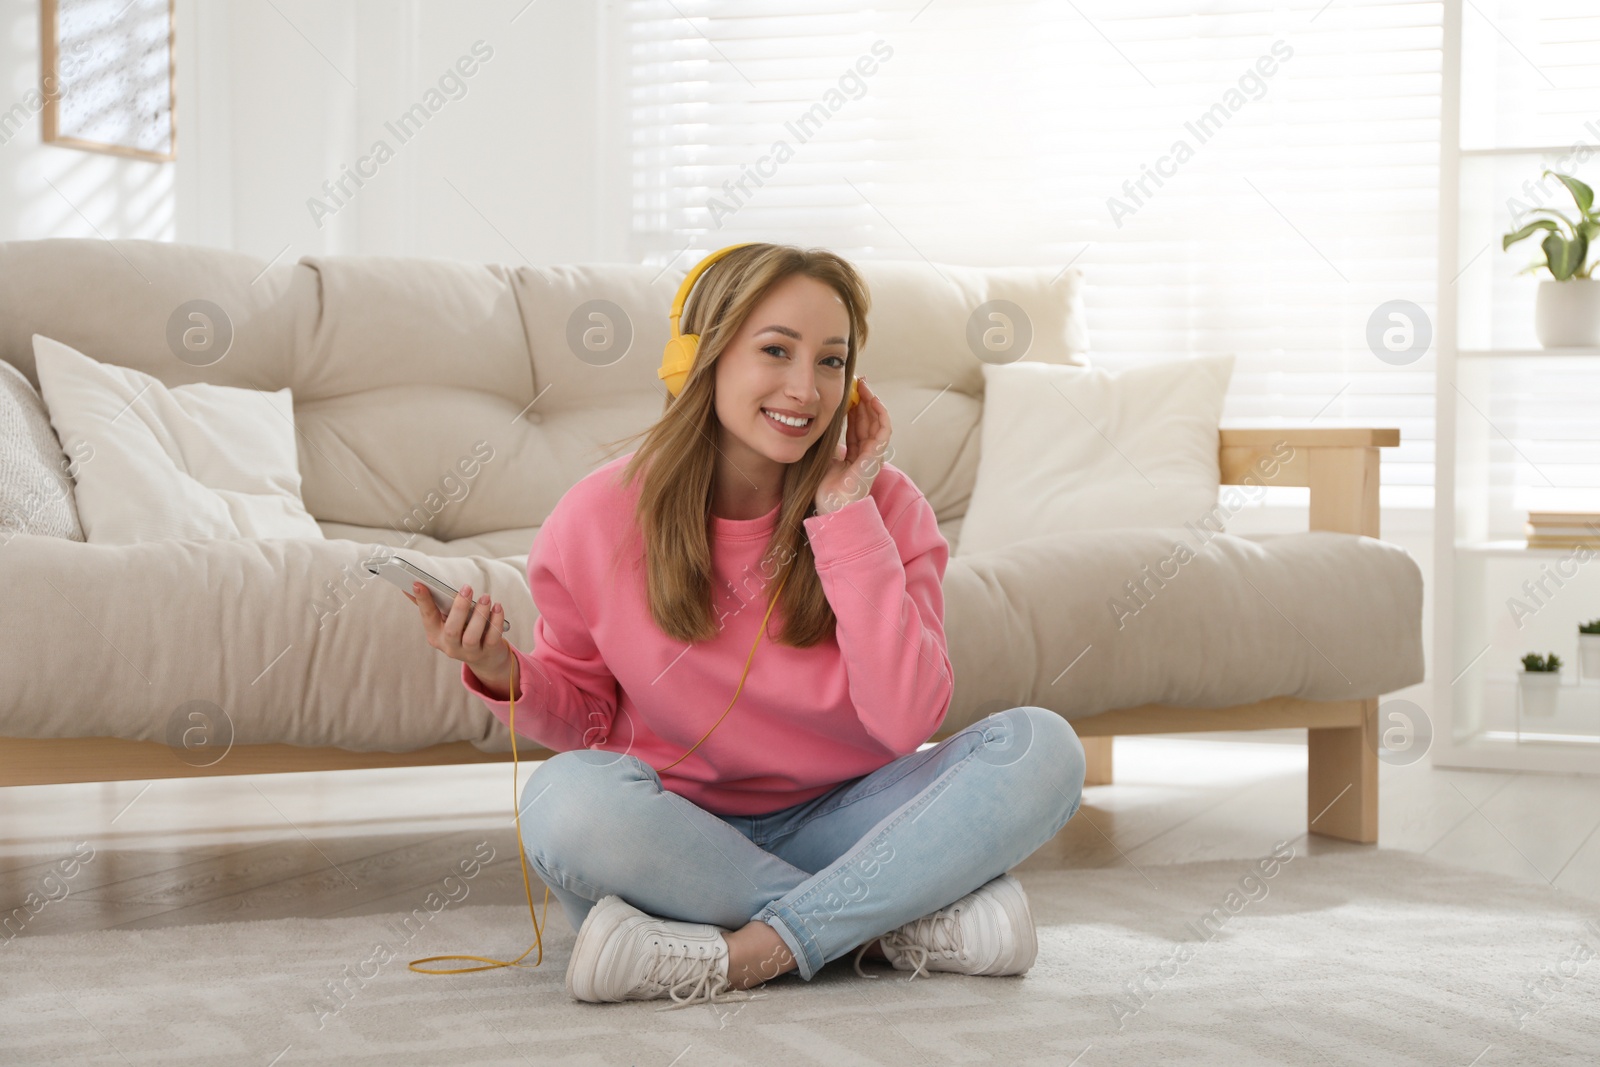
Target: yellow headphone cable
{"x":538,"y":934}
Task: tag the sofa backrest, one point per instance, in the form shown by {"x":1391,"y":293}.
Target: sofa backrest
{"x":408,"y":371}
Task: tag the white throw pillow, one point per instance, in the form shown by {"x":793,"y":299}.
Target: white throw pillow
{"x":191,"y":462}
{"x":1082,"y":448}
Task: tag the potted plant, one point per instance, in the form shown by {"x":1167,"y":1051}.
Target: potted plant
{"x":1567,"y":309}
{"x":1540,"y":683}
{"x":1589,"y":648}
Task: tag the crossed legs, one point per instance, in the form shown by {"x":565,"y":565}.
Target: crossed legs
{"x":835,"y":872}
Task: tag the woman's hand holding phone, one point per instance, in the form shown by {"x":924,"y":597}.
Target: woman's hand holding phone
{"x":471,"y":633}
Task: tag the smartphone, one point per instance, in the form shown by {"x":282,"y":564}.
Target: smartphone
{"x":403,"y":574}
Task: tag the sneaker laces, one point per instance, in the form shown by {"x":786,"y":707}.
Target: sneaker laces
{"x":680,"y":968}
{"x":936,"y":934}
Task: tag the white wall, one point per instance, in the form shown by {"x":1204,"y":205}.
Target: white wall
{"x":274,"y":99}
{"x":49,"y":191}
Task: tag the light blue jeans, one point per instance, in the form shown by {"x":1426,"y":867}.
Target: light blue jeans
{"x":828,"y":874}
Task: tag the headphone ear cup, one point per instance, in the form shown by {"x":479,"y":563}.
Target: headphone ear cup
{"x":677,"y":360}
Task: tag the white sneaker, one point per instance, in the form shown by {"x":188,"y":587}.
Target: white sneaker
{"x":989,"y":931}
{"x":624,"y":954}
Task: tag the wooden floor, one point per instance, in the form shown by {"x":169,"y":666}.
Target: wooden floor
{"x":180,"y":851}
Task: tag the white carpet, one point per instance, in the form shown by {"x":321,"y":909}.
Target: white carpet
{"x":1348,"y":956}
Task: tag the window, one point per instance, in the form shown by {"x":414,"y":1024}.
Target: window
{"x":1252,"y":180}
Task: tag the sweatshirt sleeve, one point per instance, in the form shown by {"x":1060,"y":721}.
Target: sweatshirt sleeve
{"x":885,"y":583}
{"x":567,"y":696}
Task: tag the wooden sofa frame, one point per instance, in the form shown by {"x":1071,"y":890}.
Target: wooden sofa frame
{"x":1339,"y":466}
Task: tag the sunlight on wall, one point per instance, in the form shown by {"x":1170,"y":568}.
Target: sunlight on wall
{"x":56,"y":191}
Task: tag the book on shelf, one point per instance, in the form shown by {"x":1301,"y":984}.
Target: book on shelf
{"x":1563,"y":518}
{"x":1563,"y":529}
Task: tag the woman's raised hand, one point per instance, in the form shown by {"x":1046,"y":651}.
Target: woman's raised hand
{"x":859,"y":457}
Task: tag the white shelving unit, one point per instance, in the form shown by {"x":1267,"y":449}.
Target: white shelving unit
{"x":1492,"y":379}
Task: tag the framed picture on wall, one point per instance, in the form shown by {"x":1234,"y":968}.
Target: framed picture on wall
{"x":107,"y":75}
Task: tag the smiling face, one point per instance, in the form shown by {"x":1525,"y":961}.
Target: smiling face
{"x":787,"y":360}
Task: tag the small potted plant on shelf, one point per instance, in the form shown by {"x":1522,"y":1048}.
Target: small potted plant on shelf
{"x":1540,"y":683}
{"x":1567,"y":309}
{"x":1589,"y":648}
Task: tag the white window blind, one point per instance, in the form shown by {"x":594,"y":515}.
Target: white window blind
{"x":1252,"y":179}
{"x":1531,"y":74}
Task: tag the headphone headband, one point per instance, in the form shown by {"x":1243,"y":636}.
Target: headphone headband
{"x":689,"y":279}
{"x":677,"y":359}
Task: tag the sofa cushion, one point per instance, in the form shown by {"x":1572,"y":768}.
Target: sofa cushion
{"x":127,"y":300}
{"x":289,"y":639}
{"x":1158,"y":618}
{"x":192,"y":461}
{"x":1084,"y":448}
{"x":35,"y":474}
{"x":1316,"y":615}
{"x":410,"y":387}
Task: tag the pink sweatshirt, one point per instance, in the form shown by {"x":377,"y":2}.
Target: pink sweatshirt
{"x":603,"y":675}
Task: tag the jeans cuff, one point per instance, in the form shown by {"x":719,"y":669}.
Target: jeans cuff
{"x":807,"y":957}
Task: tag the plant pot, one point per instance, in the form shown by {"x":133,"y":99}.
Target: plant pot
{"x":1589,"y":656}
{"x":1541,"y":693}
{"x":1567,"y":314}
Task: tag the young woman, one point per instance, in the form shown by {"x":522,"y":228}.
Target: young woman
{"x":808,"y":823}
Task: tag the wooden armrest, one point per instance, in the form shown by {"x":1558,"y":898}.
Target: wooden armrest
{"x":1338,"y":464}
{"x":1307,"y":437}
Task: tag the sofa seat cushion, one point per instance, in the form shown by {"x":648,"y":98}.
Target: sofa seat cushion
{"x":288,"y":638}
{"x":296,"y":646}
{"x":1093,"y":621}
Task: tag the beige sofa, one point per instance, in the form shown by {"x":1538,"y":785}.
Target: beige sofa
{"x":400,"y":368}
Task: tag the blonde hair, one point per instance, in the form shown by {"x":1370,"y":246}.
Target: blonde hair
{"x":677,"y":461}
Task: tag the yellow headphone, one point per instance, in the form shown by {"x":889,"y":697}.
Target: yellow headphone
{"x":675,"y":364}
{"x":678,"y":357}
